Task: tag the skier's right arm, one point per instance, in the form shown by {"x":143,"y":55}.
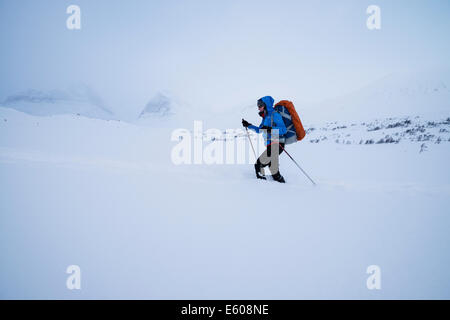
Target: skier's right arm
{"x":255,"y":128}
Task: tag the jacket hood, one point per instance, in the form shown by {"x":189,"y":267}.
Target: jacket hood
{"x":268,"y":100}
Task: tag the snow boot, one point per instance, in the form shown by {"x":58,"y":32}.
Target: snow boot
{"x":278,"y":177}
{"x":259,"y":171}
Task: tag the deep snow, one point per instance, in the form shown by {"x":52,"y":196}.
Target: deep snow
{"x":105,"y":195}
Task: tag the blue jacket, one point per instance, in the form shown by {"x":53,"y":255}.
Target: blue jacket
{"x":271,"y":115}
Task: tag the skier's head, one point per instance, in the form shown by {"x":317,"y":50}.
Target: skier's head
{"x":261,"y":104}
{"x":265,"y":105}
{"x":261,"y":107}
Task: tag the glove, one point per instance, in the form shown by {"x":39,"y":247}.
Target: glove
{"x":245,"y":123}
{"x":269,"y":129}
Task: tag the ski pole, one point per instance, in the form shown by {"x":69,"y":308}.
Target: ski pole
{"x":248,"y":136}
{"x":298,"y":165}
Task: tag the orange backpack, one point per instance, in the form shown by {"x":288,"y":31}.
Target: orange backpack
{"x":295,"y":130}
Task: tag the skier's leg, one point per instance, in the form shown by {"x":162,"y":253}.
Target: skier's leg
{"x":260,"y":164}
{"x":271,"y":159}
{"x":274,"y":167}
{"x":273,"y":163}
{"x":259,"y":170}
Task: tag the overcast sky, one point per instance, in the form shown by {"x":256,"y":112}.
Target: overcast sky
{"x":216,"y":53}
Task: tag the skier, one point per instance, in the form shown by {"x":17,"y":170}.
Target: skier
{"x":272,"y":120}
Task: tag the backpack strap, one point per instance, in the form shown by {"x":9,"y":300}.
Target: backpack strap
{"x":271,"y":117}
{"x":285,"y":115}
{"x":281,"y":138}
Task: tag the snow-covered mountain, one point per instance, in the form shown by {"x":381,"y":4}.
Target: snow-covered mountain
{"x":158,"y":106}
{"x":77,"y":100}
{"x":424,"y":93}
{"x":165,"y":109}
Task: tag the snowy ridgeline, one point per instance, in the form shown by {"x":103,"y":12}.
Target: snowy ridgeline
{"x":82,"y":100}
{"x":380,"y":131}
{"x":78,"y":100}
{"x":390,"y":130}
{"x":398,"y":97}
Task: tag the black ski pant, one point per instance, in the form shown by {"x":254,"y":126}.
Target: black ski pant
{"x":270,"y":157}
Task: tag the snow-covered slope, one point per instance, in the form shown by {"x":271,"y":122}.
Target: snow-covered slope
{"x":77,"y":100}
{"x":425,"y":93}
{"x":105,"y":195}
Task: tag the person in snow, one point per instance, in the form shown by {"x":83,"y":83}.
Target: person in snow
{"x":273,"y":128}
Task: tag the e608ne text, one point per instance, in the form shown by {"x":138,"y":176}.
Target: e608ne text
{"x":247,"y":309}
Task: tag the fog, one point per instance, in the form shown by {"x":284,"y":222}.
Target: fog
{"x":215,"y":54}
